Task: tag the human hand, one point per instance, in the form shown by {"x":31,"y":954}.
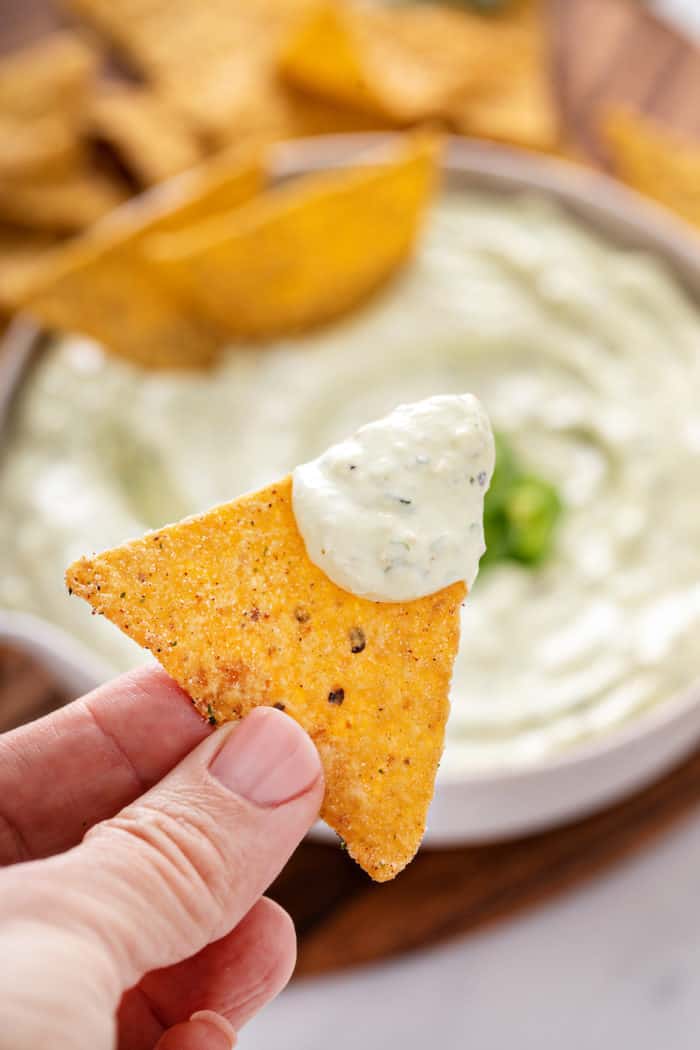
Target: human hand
{"x":157,"y":914}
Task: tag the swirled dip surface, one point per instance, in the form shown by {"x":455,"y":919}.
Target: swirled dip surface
{"x":587,"y":359}
{"x":396,"y":511}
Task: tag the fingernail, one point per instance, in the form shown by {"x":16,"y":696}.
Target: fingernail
{"x":268,"y":759}
{"x":219,"y":1022}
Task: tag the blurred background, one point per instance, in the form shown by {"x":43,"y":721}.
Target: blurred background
{"x":586,"y":933}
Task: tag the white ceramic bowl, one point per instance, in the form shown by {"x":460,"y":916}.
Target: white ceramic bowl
{"x":494,"y":804}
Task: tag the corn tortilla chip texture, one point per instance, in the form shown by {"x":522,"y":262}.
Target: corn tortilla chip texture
{"x":233,"y":609}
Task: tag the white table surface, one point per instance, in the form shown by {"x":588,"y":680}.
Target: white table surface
{"x":614,"y":965}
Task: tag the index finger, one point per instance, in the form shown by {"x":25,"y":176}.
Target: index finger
{"x":85,"y":762}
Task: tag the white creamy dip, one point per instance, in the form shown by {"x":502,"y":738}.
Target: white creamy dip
{"x":587,"y":359}
{"x":395,"y":512}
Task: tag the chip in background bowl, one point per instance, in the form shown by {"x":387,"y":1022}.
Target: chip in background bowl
{"x":305,"y":252}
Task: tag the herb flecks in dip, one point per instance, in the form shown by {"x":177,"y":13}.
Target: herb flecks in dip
{"x":395,"y":512}
{"x":586,"y":359}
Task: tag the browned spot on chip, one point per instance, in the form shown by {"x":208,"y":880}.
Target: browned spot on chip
{"x":361,"y":713}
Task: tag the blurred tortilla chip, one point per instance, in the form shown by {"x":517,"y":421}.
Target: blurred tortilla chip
{"x":306,"y":251}
{"x":233,"y":609}
{"x":208,"y":60}
{"x":42,"y":148}
{"x":51,"y":76}
{"x":102,"y":286}
{"x":655,"y":161}
{"x":522,"y":112}
{"x":516,"y":103}
{"x":404,"y":63}
{"x":63,"y":205}
{"x":152,"y":140}
{"x":272,"y":110}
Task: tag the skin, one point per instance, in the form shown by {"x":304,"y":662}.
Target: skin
{"x":136,"y":844}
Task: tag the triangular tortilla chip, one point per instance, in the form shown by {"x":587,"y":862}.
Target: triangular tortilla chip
{"x":655,"y":161}
{"x":233,"y":609}
{"x":403,"y":63}
{"x":207,"y":59}
{"x":102,"y":285}
{"x":306,"y":251}
{"x":517,"y":101}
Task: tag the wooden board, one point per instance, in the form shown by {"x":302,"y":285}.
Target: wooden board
{"x":617,"y":51}
{"x":604,"y":50}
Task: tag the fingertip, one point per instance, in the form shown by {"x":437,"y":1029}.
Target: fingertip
{"x":276,"y":942}
{"x":205,"y":1030}
{"x":152,"y":682}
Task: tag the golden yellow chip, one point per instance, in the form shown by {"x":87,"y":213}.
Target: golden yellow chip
{"x":64,"y":205}
{"x":153,"y":141}
{"x":42,"y":148}
{"x":516,"y":103}
{"x":51,"y":76}
{"x":210,"y":60}
{"x":405,"y":63}
{"x":233,"y":609}
{"x":307,"y":251}
{"x":655,"y":161}
{"x":271,"y":111}
{"x":102,"y":286}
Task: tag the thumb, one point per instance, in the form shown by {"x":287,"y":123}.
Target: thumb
{"x":175,"y":870}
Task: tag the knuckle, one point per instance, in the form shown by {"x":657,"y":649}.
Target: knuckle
{"x":180,"y":850}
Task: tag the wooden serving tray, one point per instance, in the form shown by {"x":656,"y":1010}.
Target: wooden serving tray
{"x":604,"y":50}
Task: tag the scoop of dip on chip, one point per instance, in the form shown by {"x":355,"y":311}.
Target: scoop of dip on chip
{"x":395,"y":512}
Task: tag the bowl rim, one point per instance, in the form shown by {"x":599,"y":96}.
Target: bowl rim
{"x":596,"y":200}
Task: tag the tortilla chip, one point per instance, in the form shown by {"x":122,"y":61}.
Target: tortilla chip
{"x":307,"y":251}
{"x":102,"y":286}
{"x":233,"y":609}
{"x":209,"y":60}
{"x":42,"y":148}
{"x":655,"y":161}
{"x":65,"y":205}
{"x":271,"y":111}
{"x":51,"y":76}
{"x":152,"y":140}
{"x":404,"y":63}
{"x":517,"y":103}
